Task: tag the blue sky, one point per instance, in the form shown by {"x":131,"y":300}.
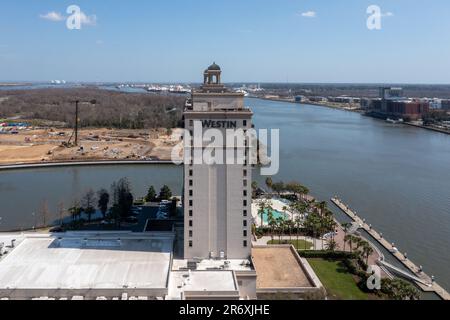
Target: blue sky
{"x":253,"y":41}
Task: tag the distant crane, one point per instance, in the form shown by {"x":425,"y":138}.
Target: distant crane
{"x":77,"y":120}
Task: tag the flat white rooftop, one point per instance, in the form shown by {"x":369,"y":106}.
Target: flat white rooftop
{"x":202,"y":283}
{"x":215,"y":265}
{"x":87,"y":261}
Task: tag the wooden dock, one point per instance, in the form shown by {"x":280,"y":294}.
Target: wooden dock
{"x":427,"y":284}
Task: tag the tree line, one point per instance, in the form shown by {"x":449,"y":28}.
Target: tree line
{"x":111,"y":109}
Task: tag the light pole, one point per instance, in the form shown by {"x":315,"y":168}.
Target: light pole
{"x":77,"y":102}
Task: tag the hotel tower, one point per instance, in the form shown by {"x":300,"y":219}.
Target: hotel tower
{"x":217,"y":197}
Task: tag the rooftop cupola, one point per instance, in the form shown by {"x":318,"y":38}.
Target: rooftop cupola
{"x":212,"y":75}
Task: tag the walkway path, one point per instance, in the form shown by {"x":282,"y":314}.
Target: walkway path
{"x":433,"y":287}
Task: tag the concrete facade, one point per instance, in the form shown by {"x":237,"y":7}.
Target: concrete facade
{"x":217,"y":197}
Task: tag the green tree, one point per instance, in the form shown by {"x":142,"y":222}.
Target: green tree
{"x":254,"y":189}
{"x":151,"y":195}
{"x":272,"y":224}
{"x":346,"y":226}
{"x":165,"y":193}
{"x":349,"y":238}
{"x":262,"y":211}
{"x":88,"y":204}
{"x":398,"y":289}
{"x":123,"y":199}
{"x":298,"y":223}
{"x":331,"y":245}
{"x":280,"y":227}
{"x":269,"y":183}
{"x":367,"y":251}
{"x":103,"y":201}
{"x":75,"y":211}
{"x":278,"y":187}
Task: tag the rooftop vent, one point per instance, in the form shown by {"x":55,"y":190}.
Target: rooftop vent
{"x":192,"y":265}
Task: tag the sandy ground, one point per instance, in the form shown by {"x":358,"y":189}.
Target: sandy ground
{"x":278,"y":268}
{"x":46,"y":145}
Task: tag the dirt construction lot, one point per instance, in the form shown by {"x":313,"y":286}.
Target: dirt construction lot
{"x":47,"y":145}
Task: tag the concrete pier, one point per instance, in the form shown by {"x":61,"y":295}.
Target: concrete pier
{"x":416,"y":271}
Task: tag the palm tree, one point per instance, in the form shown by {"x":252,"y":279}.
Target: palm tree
{"x":349,"y":238}
{"x":254,"y":189}
{"x":280,"y":225}
{"x":298,"y":222}
{"x":269,"y":183}
{"x":359,"y":243}
{"x":262,"y":209}
{"x":367,"y":251}
{"x":331,"y":245}
{"x":346,"y":226}
{"x":290,"y":225}
{"x":272,"y":224}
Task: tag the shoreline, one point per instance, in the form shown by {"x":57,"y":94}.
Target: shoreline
{"x":314,"y":104}
{"x":83,"y":163}
{"x":358,"y":111}
{"x":423,"y":281}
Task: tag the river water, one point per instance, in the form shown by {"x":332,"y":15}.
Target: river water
{"x":397,"y":177}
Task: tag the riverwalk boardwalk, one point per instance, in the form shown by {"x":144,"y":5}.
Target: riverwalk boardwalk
{"x":426,"y":283}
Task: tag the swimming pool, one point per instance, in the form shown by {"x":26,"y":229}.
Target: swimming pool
{"x":276,"y":214}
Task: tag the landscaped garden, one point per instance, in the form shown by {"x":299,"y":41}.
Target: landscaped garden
{"x":298,"y":244}
{"x":337,"y":280}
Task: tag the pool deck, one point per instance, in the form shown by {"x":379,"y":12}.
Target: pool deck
{"x":432,"y":287}
{"x":277,"y":205}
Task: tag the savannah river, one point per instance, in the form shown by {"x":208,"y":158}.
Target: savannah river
{"x":395,"y":176}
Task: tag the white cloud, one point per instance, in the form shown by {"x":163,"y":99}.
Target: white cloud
{"x":388,"y":14}
{"x":52,"y":16}
{"x":308,"y":14}
{"x":88,"y":20}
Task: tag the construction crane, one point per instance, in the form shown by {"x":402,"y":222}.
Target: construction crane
{"x":77,"y":120}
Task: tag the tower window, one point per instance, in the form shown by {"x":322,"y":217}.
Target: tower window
{"x":191,"y":223}
{"x":245,"y":243}
{"x":190,"y":244}
{"x":190,"y":233}
{"x":191,"y":183}
{"x":245,"y":193}
{"x":245,"y":203}
{"x":191,"y":193}
{"x":245,"y":183}
{"x":245,"y":123}
{"x":245,"y":233}
{"x":245,"y":173}
{"x":191,"y":173}
{"x":245,"y":213}
{"x":191,"y":203}
{"x":191,"y":213}
{"x":245,"y":223}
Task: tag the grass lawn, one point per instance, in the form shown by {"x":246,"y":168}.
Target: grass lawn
{"x":338,"y":282}
{"x":299,"y":245}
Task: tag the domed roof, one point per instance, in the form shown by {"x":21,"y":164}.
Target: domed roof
{"x":214,"y":67}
